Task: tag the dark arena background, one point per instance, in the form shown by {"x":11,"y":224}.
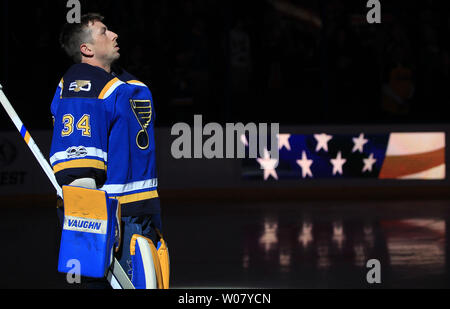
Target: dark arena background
{"x":358,"y":197}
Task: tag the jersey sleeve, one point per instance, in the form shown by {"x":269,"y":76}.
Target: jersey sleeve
{"x":56,"y":97}
{"x":80,"y":135}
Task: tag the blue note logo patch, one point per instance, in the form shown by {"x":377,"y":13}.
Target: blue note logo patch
{"x":142,"y":109}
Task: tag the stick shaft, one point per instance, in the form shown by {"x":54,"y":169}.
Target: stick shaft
{"x":29,"y":141}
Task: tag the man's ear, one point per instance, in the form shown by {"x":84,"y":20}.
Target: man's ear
{"x":86,"y":50}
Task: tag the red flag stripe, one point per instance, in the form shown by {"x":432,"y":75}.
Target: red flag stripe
{"x":398,"y":166}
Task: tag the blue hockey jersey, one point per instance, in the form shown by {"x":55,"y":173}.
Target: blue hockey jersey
{"x":103,"y":129}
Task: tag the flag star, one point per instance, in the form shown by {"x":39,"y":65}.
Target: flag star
{"x":338,"y":162}
{"x":322,"y":141}
{"x":368,"y":163}
{"x":268,"y":165}
{"x":359,"y":143}
{"x":305,"y":164}
{"x":283,"y":140}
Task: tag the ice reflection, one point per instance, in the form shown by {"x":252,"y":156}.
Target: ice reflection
{"x":323,"y":261}
{"x":269,"y":237}
{"x":245,"y":260}
{"x":285,"y":259}
{"x":360,"y":255}
{"x":419,"y":242}
{"x":338,"y":234}
{"x":335,"y":244}
{"x":369,"y":238}
{"x":305,"y":237}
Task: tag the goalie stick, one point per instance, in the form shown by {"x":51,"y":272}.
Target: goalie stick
{"x":116,"y":276}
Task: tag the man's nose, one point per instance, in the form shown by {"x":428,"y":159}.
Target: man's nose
{"x":114,"y":36}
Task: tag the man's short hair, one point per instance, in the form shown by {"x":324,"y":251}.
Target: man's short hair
{"x":75,"y":34}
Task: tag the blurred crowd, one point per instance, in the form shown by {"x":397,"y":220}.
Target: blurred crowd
{"x":296,"y":62}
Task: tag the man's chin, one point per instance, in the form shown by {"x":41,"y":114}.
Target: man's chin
{"x":115,"y":58}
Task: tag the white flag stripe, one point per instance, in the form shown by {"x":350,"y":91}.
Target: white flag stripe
{"x":91,"y":152}
{"x":132,"y":186}
{"x":437,"y":172}
{"x":436,"y":225}
{"x":414,"y":143}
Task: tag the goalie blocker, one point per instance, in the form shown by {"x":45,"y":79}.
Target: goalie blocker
{"x":91,"y":230}
{"x":90,"y":233}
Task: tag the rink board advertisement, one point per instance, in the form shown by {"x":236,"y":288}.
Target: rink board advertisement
{"x":402,"y":155}
{"x":20,"y":173}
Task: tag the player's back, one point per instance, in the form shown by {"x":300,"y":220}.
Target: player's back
{"x":104,"y":130}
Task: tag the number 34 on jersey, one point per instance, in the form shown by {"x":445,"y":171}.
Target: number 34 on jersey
{"x":82,"y":124}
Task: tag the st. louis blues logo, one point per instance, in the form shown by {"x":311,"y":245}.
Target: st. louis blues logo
{"x":142,"y":109}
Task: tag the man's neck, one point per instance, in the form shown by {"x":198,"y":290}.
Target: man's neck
{"x":95,"y":62}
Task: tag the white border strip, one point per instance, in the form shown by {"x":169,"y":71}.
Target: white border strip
{"x":91,"y":152}
{"x":137,"y":83}
{"x":112,"y":88}
{"x":132,"y":186}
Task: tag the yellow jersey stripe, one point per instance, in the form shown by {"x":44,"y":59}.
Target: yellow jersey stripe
{"x":80,"y":163}
{"x":136,"y":197}
{"x":107,"y":87}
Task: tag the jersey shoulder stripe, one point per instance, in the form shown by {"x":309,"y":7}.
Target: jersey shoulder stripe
{"x":109,"y":88}
{"x":136,"y":83}
{"x":60,"y":87}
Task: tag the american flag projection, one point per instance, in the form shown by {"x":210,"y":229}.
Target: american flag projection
{"x":415,"y":155}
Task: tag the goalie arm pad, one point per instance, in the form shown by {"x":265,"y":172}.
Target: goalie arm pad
{"x":84,"y":183}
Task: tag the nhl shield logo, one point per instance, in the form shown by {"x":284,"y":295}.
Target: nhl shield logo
{"x":142,"y":109}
